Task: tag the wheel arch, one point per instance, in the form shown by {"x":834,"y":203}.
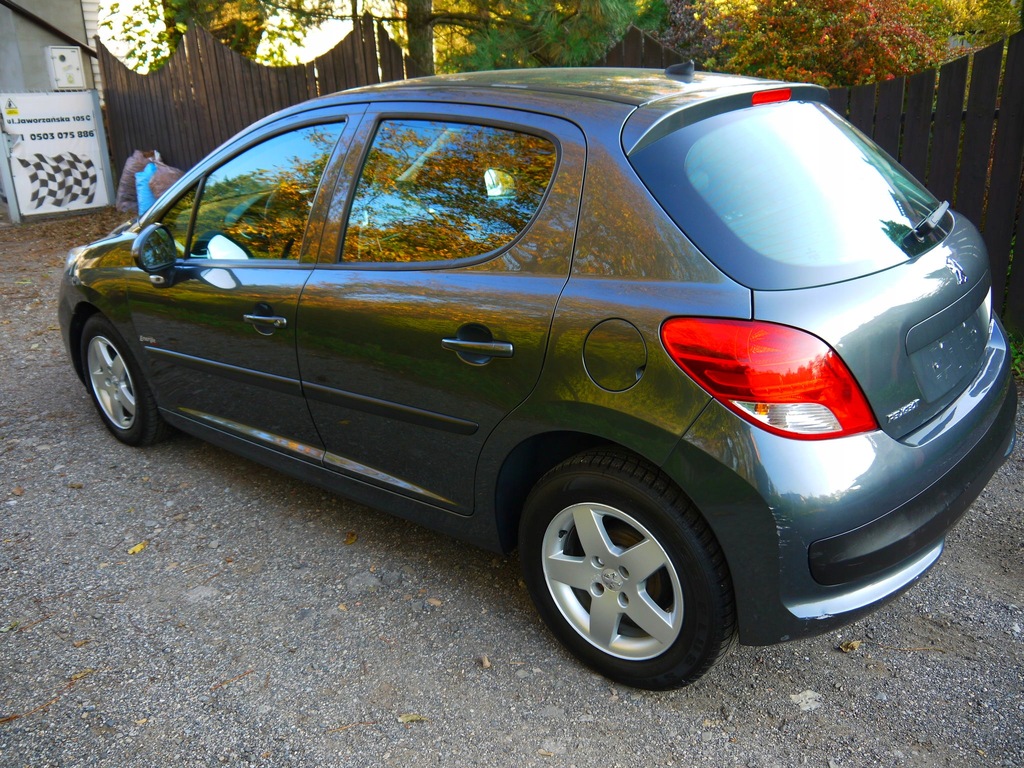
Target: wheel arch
{"x":523,"y":466}
{"x":76,"y":324}
{"x":531,"y":459}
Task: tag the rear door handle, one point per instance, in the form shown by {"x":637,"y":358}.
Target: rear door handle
{"x":481,"y":348}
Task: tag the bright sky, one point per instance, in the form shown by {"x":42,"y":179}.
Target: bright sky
{"x":317,"y":42}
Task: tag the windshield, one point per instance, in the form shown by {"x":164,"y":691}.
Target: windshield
{"x":788,"y":196}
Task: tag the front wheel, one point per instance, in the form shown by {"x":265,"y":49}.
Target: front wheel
{"x":624,"y":571}
{"x":118,"y":390}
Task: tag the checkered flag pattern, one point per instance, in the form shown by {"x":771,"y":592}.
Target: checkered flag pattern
{"x":60,"y":180}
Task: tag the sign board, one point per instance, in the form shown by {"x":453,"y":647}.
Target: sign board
{"x":55,"y":151}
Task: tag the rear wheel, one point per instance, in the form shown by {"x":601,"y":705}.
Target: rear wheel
{"x":625,"y":572}
{"x":118,"y":390}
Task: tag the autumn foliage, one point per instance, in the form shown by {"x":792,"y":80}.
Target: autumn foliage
{"x":831,"y":42}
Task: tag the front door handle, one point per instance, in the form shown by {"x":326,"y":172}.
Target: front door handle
{"x":485,"y":348}
{"x":265,"y":320}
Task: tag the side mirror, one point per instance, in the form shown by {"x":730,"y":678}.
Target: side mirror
{"x":154,"y":250}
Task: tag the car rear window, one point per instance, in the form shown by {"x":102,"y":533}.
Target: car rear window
{"x":787,"y":196}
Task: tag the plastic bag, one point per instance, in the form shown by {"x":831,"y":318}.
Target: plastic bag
{"x":127,"y":199}
{"x":143,"y":193}
{"x":164,"y":177}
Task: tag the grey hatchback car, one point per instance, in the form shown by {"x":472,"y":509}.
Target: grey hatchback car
{"x":713,"y":362}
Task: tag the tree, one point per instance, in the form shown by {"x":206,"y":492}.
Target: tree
{"x":467,"y":35}
{"x":150,"y":29}
{"x":457,"y":34}
{"x":831,"y":42}
{"x":979,"y":22}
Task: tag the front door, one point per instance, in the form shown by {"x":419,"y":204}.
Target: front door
{"x":220,"y":333}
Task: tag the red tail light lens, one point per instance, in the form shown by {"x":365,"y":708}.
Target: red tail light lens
{"x":779,"y":378}
{"x":771,"y":97}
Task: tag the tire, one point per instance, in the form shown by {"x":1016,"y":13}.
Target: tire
{"x":117,"y":387}
{"x":625,"y":572}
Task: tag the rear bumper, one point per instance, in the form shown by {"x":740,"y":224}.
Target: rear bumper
{"x":817,"y":534}
{"x":921,"y":522}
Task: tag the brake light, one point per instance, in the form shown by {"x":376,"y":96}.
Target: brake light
{"x":771,"y":97}
{"x":779,"y":378}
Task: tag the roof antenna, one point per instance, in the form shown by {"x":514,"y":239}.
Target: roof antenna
{"x":683,"y":70}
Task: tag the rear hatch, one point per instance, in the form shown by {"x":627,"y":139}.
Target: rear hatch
{"x":835,"y":239}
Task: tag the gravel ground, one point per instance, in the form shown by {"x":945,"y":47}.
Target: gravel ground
{"x":180,"y":606}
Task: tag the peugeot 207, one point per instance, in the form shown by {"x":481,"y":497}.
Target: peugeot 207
{"x":710,"y":359}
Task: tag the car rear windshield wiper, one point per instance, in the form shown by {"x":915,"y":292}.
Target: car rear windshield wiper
{"x":926,"y":225}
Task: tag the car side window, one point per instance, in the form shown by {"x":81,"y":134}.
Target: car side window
{"x":178,"y":217}
{"x":256,"y":205}
{"x":436,"y":191}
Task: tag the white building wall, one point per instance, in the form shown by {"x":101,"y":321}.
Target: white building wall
{"x":91,"y":15}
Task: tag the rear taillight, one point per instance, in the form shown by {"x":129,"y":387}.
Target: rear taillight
{"x":779,"y":378}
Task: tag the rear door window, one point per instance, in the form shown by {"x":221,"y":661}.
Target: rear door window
{"x":787,"y":196}
{"x":434,"y":191}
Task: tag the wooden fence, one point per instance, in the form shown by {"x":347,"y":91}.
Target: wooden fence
{"x":960,"y":129}
{"x":638,"y":49}
{"x":965,"y":141}
{"x":206,"y":92}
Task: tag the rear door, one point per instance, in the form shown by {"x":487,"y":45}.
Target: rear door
{"x":426,"y":320}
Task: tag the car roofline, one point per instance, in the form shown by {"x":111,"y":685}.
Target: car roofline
{"x":634,"y":87}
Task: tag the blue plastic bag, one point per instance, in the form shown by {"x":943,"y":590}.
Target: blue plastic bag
{"x":143,"y":193}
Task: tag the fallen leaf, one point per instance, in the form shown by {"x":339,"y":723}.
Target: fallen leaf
{"x":808,"y":701}
{"x":483,"y":661}
{"x":411,"y":718}
{"x":143,"y":721}
{"x":850,"y":645}
{"x":76,"y":485}
{"x":350,"y":538}
{"x":18,"y":491}
{"x":138,"y":548}
{"x":84,"y":673}
{"x":545,"y":753}
{"x":434,"y":602}
{"x":342,"y":607}
{"x":80,"y":643}
{"x":11,"y":626}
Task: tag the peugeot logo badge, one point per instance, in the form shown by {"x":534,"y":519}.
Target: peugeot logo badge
{"x":956,"y":270}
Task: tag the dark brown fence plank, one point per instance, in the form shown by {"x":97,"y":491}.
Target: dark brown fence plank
{"x":1013,"y":312}
{"x":862,"y":107}
{"x":917,"y":126}
{"x":1005,"y":186}
{"x":112,"y":72}
{"x":977,"y":150}
{"x":948,"y":122}
{"x":839,"y":100}
{"x":205,"y":82}
{"x":369,"y":45}
{"x":889,"y":115}
{"x":633,"y":48}
{"x":391,"y":56}
{"x":616,"y":55}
